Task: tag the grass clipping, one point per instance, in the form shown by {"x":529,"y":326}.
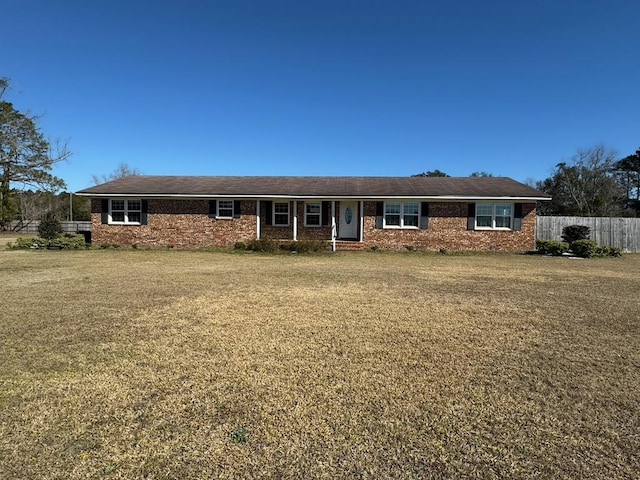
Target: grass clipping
{"x":201,"y":365}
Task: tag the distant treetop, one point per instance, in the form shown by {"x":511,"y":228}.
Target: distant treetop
{"x":431,"y":173}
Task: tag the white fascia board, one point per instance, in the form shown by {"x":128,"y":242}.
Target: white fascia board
{"x":441,"y":198}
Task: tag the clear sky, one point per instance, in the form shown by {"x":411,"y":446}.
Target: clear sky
{"x":325,"y":87}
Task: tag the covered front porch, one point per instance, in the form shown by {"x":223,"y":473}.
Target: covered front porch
{"x":337,"y":221}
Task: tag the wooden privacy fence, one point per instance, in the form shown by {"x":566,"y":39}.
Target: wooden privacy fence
{"x":30,"y":227}
{"x":610,"y":231}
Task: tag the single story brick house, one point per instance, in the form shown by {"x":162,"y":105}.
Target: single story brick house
{"x":429,"y":213}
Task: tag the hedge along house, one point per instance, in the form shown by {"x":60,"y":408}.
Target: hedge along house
{"x":429,"y":213}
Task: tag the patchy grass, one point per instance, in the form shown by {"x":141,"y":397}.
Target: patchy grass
{"x":180,"y":364}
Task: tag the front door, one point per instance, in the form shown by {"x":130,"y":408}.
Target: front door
{"x":348,"y":220}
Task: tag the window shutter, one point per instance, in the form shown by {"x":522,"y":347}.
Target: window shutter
{"x":326,"y":208}
{"x":424,"y":215}
{"x":269,"y":217}
{"x":145,"y":210}
{"x":379,"y":214}
{"x":517,"y":217}
{"x":471,"y":216}
{"x":236,"y":209}
{"x":104,"y":214}
{"x":213,"y":208}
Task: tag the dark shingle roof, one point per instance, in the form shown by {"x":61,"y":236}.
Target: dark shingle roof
{"x":319,"y":187}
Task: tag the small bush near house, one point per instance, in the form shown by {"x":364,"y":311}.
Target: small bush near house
{"x":551,"y":247}
{"x":572,"y":233}
{"x":69,"y":241}
{"x":263,"y":245}
{"x":64,"y":242}
{"x":605,"y":251}
{"x":49,"y":227}
{"x":305,"y":246}
{"x":240,"y":246}
{"x":26,"y":243}
{"x":589,"y":248}
{"x":584,"y":248}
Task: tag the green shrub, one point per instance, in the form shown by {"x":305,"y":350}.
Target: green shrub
{"x":49,"y":227}
{"x":240,"y":246}
{"x":65,"y":242}
{"x":109,"y":245}
{"x":24,"y":243}
{"x":551,"y":247}
{"x":614,"y":251}
{"x":572,"y":233}
{"x":306,"y":246}
{"x":605,"y":251}
{"x":584,"y":248}
{"x":263,"y":245}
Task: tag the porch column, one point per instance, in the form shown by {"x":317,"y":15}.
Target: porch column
{"x":361,"y":220}
{"x":257,"y":219}
{"x":295,"y":220}
{"x":334,"y":233}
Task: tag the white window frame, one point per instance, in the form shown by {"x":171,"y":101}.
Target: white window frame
{"x":275,"y":224}
{"x":307,"y":214}
{"x":402,"y":215}
{"x":494,"y":206}
{"x":218,"y":214}
{"x":126,"y":211}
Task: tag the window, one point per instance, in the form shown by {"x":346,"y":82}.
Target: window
{"x":126,"y":211}
{"x":401,"y":214}
{"x":494,"y":215}
{"x":281,"y":214}
{"x":225,"y":208}
{"x":312,"y":211}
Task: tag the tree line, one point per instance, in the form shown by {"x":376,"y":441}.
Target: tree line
{"x":594,"y":182}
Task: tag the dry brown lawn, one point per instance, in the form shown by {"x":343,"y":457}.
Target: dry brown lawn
{"x":183,"y":365}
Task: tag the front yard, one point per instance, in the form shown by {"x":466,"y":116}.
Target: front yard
{"x":185,"y":364}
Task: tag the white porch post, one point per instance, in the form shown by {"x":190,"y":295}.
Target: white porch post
{"x":257,"y":219}
{"x":361,"y":219}
{"x":334,"y":234}
{"x":295,"y":220}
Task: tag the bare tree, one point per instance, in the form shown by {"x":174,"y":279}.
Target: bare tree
{"x":585,"y":185}
{"x":123,"y":170}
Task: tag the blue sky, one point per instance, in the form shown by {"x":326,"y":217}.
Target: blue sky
{"x":332,"y":87}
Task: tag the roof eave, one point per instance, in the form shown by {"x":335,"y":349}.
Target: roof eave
{"x":449,"y":198}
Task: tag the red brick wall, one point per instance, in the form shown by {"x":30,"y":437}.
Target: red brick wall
{"x":185,"y":223}
{"x":178,"y":223}
{"x":448,"y":230}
